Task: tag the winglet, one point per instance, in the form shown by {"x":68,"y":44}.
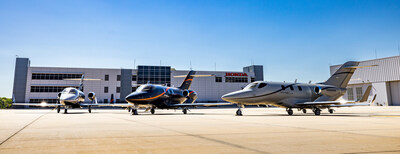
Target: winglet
{"x":366,"y":94}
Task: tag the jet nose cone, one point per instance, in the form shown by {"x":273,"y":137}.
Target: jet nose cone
{"x":234,"y":97}
{"x":134,"y":97}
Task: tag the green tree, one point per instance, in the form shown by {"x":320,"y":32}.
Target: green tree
{"x":5,"y":103}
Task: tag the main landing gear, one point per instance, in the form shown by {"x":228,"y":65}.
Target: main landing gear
{"x":134,"y":112}
{"x":289,"y":111}
{"x":129,"y":109}
{"x":58,"y":109}
{"x":184,"y":110}
{"x":304,"y":111}
{"x":65,"y":111}
{"x":90,"y":109}
{"x":152,"y":111}
{"x":317,"y":111}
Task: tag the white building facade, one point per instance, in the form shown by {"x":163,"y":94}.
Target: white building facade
{"x":42,"y":84}
{"x":384,"y":78}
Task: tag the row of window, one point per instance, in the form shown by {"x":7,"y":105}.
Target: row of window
{"x":48,"y":89}
{"x":231,"y":79}
{"x":44,"y":76}
{"x":51,"y":101}
{"x":292,"y":88}
{"x":236,"y":79}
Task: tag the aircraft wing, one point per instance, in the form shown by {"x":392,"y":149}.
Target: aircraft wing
{"x":36,"y":104}
{"x":199,"y":104}
{"x":111,"y":105}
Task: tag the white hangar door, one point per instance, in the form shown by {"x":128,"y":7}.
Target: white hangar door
{"x":395,"y":93}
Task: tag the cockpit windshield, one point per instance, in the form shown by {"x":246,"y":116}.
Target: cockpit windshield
{"x":69,"y":91}
{"x":251,"y":86}
{"x":145,"y":88}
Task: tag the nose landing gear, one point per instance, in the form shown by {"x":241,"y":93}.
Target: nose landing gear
{"x":134,"y":112}
{"x":152,"y":111}
{"x":184,"y":110}
{"x":317,"y":111}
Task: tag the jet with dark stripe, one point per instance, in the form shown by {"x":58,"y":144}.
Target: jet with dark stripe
{"x":153,"y":97}
{"x":301,"y":95}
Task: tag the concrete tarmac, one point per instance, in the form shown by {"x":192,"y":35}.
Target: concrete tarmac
{"x":260,"y":130}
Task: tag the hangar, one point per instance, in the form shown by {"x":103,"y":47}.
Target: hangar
{"x":41,"y":84}
{"x":384,"y":78}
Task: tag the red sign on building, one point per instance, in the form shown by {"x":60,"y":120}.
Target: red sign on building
{"x":235,"y":74}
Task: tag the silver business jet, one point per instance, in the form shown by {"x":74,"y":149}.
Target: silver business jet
{"x":70,"y":98}
{"x":301,"y":95}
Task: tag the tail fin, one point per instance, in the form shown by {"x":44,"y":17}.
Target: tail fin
{"x":342,"y":76}
{"x":188,"y":80}
{"x":81,"y":83}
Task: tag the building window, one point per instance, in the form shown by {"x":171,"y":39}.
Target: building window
{"x":105,"y":100}
{"x":118,"y":101}
{"x":350,"y":94}
{"x":118,"y":77}
{"x":118,"y":89}
{"x":218,"y":79}
{"x":236,"y":79}
{"x":44,"y":76}
{"x":49,"y":89}
{"x":359,"y":93}
{"x":154,"y":74}
{"x":134,"y":77}
{"x":105,"y":89}
{"x":106,"y":77}
{"x":253,"y":79}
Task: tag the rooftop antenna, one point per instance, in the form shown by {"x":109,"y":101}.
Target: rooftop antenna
{"x":134,"y":63}
{"x":215,"y":66}
{"x":190,"y":65}
{"x":160,"y":62}
{"x":376,"y":54}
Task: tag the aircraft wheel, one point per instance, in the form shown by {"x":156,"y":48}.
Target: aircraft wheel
{"x":304,"y":111}
{"x":330,"y":111}
{"x":239,"y":112}
{"x":65,"y":111}
{"x":290,"y":111}
{"x":152,"y":111}
{"x":129,"y":109}
{"x":134,"y":112}
{"x":58,"y":109}
{"x":184,"y":111}
{"x":317,"y":112}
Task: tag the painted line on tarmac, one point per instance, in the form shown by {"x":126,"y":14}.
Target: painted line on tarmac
{"x":197,"y":136}
{"x":385,"y":116}
{"x":23,"y":128}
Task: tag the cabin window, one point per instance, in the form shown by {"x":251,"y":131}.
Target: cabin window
{"x":261,"y":85}
{"x":283,"y":87}
{"x":291,"y":87}
{"x":300,"y":89}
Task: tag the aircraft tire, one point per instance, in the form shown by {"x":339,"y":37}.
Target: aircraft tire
{"x":65,"y":111}
{"x":330,"y":111}
{"x":317,"y":112}
{"x":58,"y":109}
{"x":134,"y":112}
{"x":290,"y":112}
{"x":184,"y":111}
{"x":304,"y":111}
{"x":129,"y":109}
{"x":152,"y":111}
{"x":239,"y":112}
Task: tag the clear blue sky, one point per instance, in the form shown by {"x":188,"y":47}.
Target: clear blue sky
{"x":292,"y":39}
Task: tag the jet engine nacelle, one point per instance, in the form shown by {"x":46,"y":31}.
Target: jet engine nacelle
{"x":185,"y":93}
{"x":317,"y":90}
{"x":330,"y":91}
{"x":92,"y":96}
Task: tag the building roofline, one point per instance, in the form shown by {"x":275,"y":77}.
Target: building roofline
{"x":370,"y":60}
